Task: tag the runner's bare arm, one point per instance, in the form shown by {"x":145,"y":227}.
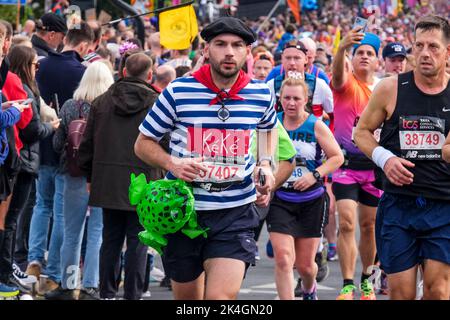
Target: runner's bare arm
{"x":329,"y":145}
{"x":149,"y":151}
{"x":340,"y":72}
{"x":335,"y":158}
{"x":267,"y":142}
{"x":446,"y":149}
{"x":282,"y":173}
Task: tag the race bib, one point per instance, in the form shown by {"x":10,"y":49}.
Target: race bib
{"x":421,"y":137}
{"x":224,"y":153}
{"x":376,"y":133}
{"x":220,"y":172}
{"x":299,"y":171}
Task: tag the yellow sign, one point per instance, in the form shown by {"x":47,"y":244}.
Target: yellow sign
{"x":178,"y":27}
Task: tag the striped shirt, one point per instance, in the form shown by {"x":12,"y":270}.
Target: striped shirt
{"x":183,"y":110}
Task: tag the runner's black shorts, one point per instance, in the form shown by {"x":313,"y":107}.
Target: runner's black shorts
{"x":230,"y":235}
{"x":300,"y":220}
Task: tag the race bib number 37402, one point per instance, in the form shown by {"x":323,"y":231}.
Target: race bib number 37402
{"x":421,"y":137}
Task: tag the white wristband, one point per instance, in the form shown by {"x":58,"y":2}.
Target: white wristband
{"x":380,"y":156}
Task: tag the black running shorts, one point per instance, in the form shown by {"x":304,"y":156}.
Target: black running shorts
{"x":300,"y":220}
{"x":230,"y":235}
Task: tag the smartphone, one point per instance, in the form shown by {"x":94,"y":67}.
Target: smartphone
{"x":262,"y":177}
{"x":55,"y":103}
{"x":28,"y":101}
{"x":8,"y":104}
{"x":360,"y":22}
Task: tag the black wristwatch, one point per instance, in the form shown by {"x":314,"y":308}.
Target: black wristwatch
{"x":316,"y":175}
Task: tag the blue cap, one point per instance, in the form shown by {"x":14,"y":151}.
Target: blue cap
{"x":371,"y":40}
{"x":394,"y":49}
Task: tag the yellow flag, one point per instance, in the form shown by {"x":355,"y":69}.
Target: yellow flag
{"x":337,"y":40}
{"x":178,"y":27}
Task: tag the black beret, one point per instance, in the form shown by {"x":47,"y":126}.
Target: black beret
{"x":228,"y":25}
{"x":52,"y":22}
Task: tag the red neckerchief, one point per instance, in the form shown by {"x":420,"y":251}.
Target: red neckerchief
{"x":203,"y":75}
{"x":157,"y":89}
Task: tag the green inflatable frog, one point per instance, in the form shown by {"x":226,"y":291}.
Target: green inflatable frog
{"x":163,"y":207}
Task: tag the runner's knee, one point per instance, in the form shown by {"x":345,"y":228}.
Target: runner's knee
{"x":306,"y":268}
{"x":284,"y":259}
{"x":436,"y":289}
{"x":367,"y":225}
{"x":346,"y":225}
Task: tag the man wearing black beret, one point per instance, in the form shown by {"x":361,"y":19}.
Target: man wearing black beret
{"x":229,"y":25}
{"x":50,"y":32}
{"x":213,"y":115}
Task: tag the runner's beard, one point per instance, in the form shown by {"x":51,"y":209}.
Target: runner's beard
{"x":226,"y":73}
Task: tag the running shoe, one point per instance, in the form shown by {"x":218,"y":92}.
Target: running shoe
{"x":90,"y":294}
{"x":322,"y":264}
{"x":298,"y":291}
{"x":310,"y":295}
{"x":166,"y":283}
{"x":22,"y":277}
{"x":8,"y":291}
{"x":332,"y":254}
{"x":347,"y":292}
{"x":367,"y":291}
{"x":12,"y":281}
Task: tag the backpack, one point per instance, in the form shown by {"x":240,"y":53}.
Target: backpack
{"x":74,"y":136}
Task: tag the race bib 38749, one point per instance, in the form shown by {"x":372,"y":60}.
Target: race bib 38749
{"x":421,"y":137}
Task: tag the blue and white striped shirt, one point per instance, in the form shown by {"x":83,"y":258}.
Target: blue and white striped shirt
{"x":183,"y":110}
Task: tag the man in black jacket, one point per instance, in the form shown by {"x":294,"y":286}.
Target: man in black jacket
{"x":106,"y":154}
{"x":50,"y":32}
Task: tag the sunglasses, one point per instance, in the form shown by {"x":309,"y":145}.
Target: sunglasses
{"x":36,"y":65}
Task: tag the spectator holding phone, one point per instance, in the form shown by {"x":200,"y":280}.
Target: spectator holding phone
{"x":353,"y":182}
{"x":7,"y":119}
{"x":23,"y":62}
